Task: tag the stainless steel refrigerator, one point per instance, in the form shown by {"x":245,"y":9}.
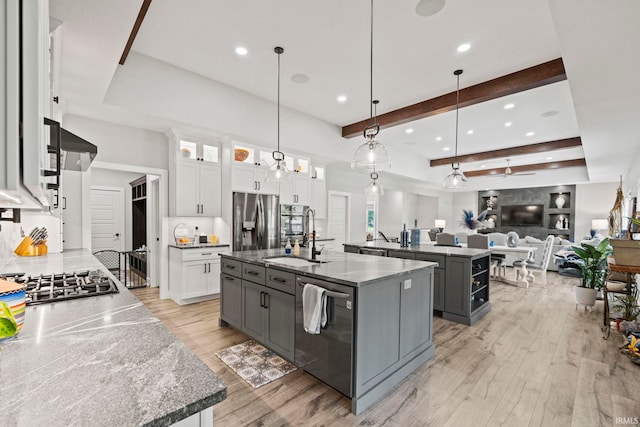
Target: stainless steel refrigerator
{"x":256,"y":221}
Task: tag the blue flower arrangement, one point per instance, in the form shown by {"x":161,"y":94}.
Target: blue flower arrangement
{"x":470,"y":222}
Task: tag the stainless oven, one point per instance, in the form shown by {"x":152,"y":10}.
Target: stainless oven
{"x":328,"y":355}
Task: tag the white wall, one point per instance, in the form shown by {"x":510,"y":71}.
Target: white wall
{"x":467,"y":200}
{"x":593,"y":201}
{"x":121,"y":144}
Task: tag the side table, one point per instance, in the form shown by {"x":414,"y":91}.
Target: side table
{"x":629,"y":289}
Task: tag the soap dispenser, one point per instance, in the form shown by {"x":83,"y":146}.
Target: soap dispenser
{"x":296,"y":248}
{"x":287,"y":247}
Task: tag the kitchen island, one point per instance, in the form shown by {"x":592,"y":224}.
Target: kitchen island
{"x":99,"y":361}
{"x":461,"y":278}
{"x":379,"y":315}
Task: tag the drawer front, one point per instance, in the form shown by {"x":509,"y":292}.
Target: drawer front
{"x":231,"y":267}
{"x":401,"y":254}
{"x":281,"y":280}
{"x":198,"y":254}
{"x":431,"y":257}
{"x":253,"y":273}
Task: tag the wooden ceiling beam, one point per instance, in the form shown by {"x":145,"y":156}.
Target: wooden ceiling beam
{"x":529,"y":78}
{"x":134,"y":30}
{"x":528,"y":168}
{"x":540,"y":147}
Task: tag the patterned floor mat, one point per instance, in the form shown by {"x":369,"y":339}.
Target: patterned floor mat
{"x":254,"y":363}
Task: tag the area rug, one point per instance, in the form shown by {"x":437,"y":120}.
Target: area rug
{"x":254,"y":363}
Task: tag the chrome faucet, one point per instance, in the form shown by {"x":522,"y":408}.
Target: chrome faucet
{"x":314,"y":251}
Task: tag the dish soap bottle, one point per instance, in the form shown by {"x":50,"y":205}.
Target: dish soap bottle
{"x":296,"y":248}
{"x":404,"y":237}
{"x":287,"y":247}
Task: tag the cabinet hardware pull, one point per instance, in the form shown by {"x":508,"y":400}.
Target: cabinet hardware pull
{"x":209,"y":264}
{"x":253,"y":273}
{"x":266,"y":295}
{"x":261,"y":295}
{"x":278,"y":279}
{"x":230,"y":266}
{"x":205,"y":268}
{"x":206,"y":253}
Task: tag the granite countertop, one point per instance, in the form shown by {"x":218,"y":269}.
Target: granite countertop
{"x":424,"y":248}
{"x":345,"y":268}
{"x":99,"y":361}
{"x":200,"y":245}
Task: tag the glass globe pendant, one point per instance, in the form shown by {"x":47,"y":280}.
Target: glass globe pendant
{"x":374,"y":188}
{"x":456,"y":179}
{"x":278,"y":170}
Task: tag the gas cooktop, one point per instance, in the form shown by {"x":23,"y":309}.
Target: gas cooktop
{"x":59,"y":287}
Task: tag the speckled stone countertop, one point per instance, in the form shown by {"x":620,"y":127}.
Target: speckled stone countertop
{"x":99,"y":361}
{"x":426,"y":248}
{"x":340,"y":267}
{"x":200,"y":245}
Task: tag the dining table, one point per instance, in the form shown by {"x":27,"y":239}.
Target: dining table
{"x":523,"y":253}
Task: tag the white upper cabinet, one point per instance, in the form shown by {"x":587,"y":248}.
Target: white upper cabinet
{"x":249,"y":170}
{"x":196,"y":177}
{"x":318,"y":189}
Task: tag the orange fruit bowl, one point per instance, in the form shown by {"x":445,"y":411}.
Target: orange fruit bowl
{"x":241,"y":154}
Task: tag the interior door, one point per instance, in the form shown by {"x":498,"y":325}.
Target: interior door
{"x":107,"y":219}
{"x":338,"y":219}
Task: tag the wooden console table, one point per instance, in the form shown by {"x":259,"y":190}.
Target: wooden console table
{"x":629,"y":289}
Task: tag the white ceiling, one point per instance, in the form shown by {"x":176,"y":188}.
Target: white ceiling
{"x":414,"y":58}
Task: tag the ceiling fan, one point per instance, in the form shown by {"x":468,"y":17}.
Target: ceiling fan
{"x":508,"y":172}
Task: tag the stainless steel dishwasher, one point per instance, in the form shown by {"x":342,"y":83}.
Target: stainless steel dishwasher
{"x":328,"y":355}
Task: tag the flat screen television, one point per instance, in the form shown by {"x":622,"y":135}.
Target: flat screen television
{"x":521,"y":215}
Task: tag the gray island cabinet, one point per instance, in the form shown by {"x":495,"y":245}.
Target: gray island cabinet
{"x":461,"y":277}
{"x":380,"y":316}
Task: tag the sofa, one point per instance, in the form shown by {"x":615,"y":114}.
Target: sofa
{"x":558,"y":244}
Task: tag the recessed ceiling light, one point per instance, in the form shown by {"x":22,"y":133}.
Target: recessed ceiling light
{"x":409,"y":130}
{"x":550,"y":113}
{"x":342,"y":98}
{"x":483,"y":166}
{"x":549,"y":158}
{"x":438,"y":138}
{"x":464,"y":47}
{"x":446,"y":148}
{"x":242,"y":51}
{"x":470,"y":132}
{"x":509,"y":106}
{"x":300,"y":78}
{"x":530,"y":133}
{"x":507,"y":124}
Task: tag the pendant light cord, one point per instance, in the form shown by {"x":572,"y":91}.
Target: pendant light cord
{"x":457,"y":73}
{"x":279,"y":52}
{"x":371,"y":68}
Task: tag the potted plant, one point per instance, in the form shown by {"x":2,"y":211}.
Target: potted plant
{"x":593,"y":268}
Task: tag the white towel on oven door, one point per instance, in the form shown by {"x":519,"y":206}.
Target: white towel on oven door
{"x":314,"y":308}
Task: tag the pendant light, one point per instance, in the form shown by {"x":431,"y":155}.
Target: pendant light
{"x":456,"y":179}
{"x":278,"y":170}
{"x":371,"y":154}
{"x":374,"y":188}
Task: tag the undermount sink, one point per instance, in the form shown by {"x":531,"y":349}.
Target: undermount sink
{"x":294,"y":261}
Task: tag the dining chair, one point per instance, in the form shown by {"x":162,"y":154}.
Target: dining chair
{"x":445,"y":239}
{"x":498,"y":239}
{"x":542,"y":266}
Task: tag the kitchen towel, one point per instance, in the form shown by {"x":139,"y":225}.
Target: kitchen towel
{"x":314,"y":308}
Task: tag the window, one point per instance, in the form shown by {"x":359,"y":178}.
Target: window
{"x":371,"y":220}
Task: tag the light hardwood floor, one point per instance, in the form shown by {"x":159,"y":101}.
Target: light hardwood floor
{"x":533,"y":360}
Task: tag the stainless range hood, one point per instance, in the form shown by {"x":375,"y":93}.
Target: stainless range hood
{"x":75,"y":152}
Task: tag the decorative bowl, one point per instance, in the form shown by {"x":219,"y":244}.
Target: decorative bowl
{"x":241,"y":154}
{"x":185,"y":152}
{"x":13,"y":295}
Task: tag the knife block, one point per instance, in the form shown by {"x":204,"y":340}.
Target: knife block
{"x":27,"y":248}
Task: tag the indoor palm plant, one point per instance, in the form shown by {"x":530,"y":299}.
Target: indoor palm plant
{"x":593,"y":266}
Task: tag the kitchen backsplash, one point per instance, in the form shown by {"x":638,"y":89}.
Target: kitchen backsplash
{"x":9,"y":239}
{"x":205,"y":225}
